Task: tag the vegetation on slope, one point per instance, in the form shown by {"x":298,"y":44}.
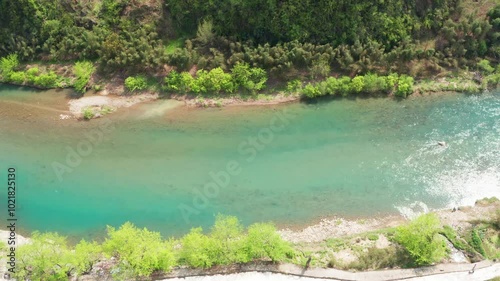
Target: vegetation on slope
{"x":306,"y":40}
{"x":140,"y":252}
{"x":130,"y":252}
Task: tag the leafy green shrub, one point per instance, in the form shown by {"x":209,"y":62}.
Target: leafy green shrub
{"x":421,"y":239}
{"x":227,"y":244}
{"x":31,"y":74}
{"x":88,"y":113}
{"x":357,"y":84}
{"x":493,"y":80}
{"x":390,"y":81}
{"x":139,"y":250}
{"x":17,"y":77}
{"x":178,"y":82}
{"x":83,"y":70}
{"x":46,"y":80}
{"x":311,"y":91}
{"x":344,"y":86}
{"x":198,"y":250}
{"x":227,"y":233}
{"x":32,"y":71}
{"x":372,"y":237}
{"x":476,"y":243}
{"x":45,"y":258}
{"x":137,"y":83}
{"x":213,"y":82}
{"x":377,"y":84}
{"x":484,"y":65}
{"x":294,"y":86}
{"x":332,"y":86}
{"x":263,"y":241}
{"x":85,"y":255}
{"x":405,"y":86}
{"x":251,"y":79}
{"x":224,"y":245}
{"x":8,"y":64}
{"x":369,"y":83}
{"x":172,"y":81}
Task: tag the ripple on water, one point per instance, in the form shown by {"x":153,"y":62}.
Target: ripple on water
{"x":465,"y":170}
{"x":350,"y":158}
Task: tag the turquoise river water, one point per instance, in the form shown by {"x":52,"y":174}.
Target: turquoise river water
{"x":171,"y":168}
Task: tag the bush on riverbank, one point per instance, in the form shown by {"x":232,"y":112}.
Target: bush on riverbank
{"x":45,"y":258}
{"x":228,"y":244}
{"x":31,"y":76}
{"x":140,"y":252}
{"x":421,"y":239}
{"x":136,"y":83}
{"x":83,"y":70}
{"x":7,"y":65}
{"x":367,"y":84}
{"x":216,"y":81}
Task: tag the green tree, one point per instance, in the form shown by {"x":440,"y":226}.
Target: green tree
{"x":140,"y":251}
{"x":46,"y":80}
{"x":484,"y":65}
{"x":45,"y":258}
{"x":84,"y":256}
{"x":311,"y":91}
{"x":250,"y":79}
{"x":198,"y":250}
{"x":357,"y":84}
{"x":8,"y":64}
{"x":421,"y":239}
{"x":214,"y":81}
{"x":227,"y":233}
{"x":405,"y":86}
{"x":264,"y":241}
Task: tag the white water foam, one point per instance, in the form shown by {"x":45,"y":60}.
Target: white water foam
{"x":465,"y":170}
{"x":412,"y":210}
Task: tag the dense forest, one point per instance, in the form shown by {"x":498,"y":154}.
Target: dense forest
{"x":287,"y":39}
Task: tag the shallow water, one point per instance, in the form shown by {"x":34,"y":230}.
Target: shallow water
{"x":350,"y":158}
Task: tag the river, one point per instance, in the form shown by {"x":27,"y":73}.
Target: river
{"x":170,"y":168}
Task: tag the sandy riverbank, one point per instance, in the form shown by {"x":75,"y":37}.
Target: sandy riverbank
{"x":339,"y":227}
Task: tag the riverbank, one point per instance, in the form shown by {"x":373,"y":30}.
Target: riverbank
{"x":107,"y":94}
{"x":460,"y":217}
{"x":315,"y":240}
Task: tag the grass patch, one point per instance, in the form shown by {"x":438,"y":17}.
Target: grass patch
{"x":375,"y":258}
{"x":453,"y":237}
{"x":88,"y":113}
{"x":174,"y":45}
{"x":336,"y":244}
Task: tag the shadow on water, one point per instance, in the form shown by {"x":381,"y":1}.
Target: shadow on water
{"x":72,"y":94}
